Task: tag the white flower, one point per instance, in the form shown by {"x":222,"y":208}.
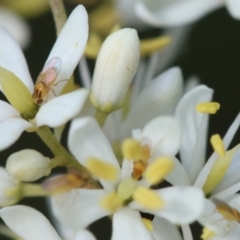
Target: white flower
{"x":192,"y":170}
{"x":30,"y":224}
{"x":221,"y":219}
{"x":68,"y":48}
{"x":18,"y":28}
{"x":80,"y":207}
{"x":161,"y":13}
{"x":7,"y":183}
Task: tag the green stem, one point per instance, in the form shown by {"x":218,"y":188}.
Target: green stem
{"x":101,"y":117}
{"x":59,"y":14}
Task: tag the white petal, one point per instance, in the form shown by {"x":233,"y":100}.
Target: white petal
{"x":79,"y":208}
{"x":86,"y":140}
{"x":190,"y":121}
{"x":164,"y":134}
{"x":70,"y":44}
{"x":16,"y":26}
{"x":11,"y":130}
{"x":235,"y":202}
{"x":7,"y":111}
{"x":84,"y":235}
{"x":178,"y":176}
{"x":60,"y":110}
{"x":186,"y":231}
{"x":182,"y":205}
{"x":164,"y":230}
{"x":128,"y":225}
{"x":234,"y":8}
{"x":28,"y":223}
{"x":159,"y":97}
{"x":16,"y":62}
{"x":174,"y":12}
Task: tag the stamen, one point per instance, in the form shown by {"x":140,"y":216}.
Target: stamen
{"x":158,"y":170}
{"x":111,"y":202}
{"x":207,"y":233}
{"x":148,"y":198}
{"x":133,"y":150}
{"x":217,"y":145}
{"x":148,"y":224}
{"x":102,"y":169}
{"x":208,"y":107}
{"x":126,"y":188}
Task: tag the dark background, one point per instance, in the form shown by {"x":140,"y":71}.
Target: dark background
{"x":212,"y":53}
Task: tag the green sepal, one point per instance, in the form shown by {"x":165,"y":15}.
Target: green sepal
{"x":17,"y":94}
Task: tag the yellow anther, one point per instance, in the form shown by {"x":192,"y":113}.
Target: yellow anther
{"x":151,"y":45}
{"x":126,"y":188}
{"x":111,"y":202}
{"x":158,"y":170}
{"x":217,"y":144}
{"x":208,"y":107}
{"x":219,"y":170}
{"x":102,"y":169}
{"x":148,"y":198}
{"x":148,"y":224}
{"x":131,"y":149}
{"x":207,"y":233}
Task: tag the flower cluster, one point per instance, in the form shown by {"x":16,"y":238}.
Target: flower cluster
{"x":137,"y":140}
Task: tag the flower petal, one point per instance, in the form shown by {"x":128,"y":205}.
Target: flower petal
{"x":191,"y":121}
{"x":11,"y":130}
{"x":61,"y":109}
{"x":178,"y":175}
{"x":182,"y":205}
{"x":164,"y":230}
{"x":86,"y":140}
{"x":128,"y":225}
{"x":159,"y":97}
{"x":174,"y":13}
{"x":164,"y":134}
{"x":79,"y":208}
{"x":28,"y":223}
{"x":70,"y":44}
{"x":7,"y":111}
{"x":234,"y":8}
{"x":16,"y":62}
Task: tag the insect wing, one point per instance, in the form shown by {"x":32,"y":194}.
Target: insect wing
{"x":51,"y":70}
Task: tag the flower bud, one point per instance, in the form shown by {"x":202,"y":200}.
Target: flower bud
{"x":9,"y":193}
{"x":27,"y":165}
{"x":115,"y":68}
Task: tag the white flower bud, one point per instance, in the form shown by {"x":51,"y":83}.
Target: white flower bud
{"x":115,"y":68}
{"x":27,"y":165}
{"x":9,"y":189}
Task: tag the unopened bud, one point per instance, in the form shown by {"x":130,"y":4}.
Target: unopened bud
{"x":27,"y":165}
{"x":115,"y":68}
